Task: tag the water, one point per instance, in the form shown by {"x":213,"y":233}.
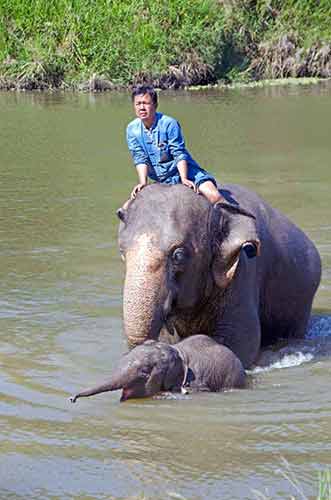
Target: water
{"x":64,"y":171}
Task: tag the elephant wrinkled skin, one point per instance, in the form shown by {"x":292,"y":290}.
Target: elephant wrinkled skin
{"x":239,"y":272}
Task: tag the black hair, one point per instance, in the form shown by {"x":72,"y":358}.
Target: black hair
{"x":145,"y":89}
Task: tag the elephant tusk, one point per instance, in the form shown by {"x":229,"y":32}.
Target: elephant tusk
{"x":168,"y":305}
{"x":185,"y":382}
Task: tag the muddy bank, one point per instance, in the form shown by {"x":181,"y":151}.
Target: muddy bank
{"x":193,"y":71}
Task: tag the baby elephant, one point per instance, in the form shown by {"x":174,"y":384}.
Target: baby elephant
{"x":197,"y":362}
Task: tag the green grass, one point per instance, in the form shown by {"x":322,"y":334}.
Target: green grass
{"x":324,"y":490}
{"x":117,"y":39}
{"x":63,"y":42}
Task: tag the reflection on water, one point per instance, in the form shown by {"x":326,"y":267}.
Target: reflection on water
{"x":64,"y":171}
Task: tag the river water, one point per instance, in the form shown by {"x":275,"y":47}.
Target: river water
{"x":64,"y":169}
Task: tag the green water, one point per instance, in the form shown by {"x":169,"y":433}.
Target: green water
{"x":64,"y":169}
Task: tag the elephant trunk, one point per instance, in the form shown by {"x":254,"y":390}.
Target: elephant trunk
{"x":117,"y":381}
{"x":144,"y":293}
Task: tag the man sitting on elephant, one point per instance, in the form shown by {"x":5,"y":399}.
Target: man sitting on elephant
{"x":158,"y":149}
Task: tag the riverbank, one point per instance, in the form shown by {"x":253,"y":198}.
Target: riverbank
{"x":102,"y":85}
{"x":111,"y":45}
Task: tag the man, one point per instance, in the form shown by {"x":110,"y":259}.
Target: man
{"x":158,"y":149}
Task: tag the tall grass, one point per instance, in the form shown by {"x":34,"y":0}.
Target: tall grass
{"x":276,"y":39}
{"x":116,"y":39}
{"x":324,"y":490}
{"x":61,"y":42}
{"x":294,"y":484}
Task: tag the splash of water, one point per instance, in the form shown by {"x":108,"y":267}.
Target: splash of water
{"x":317,"y":343}
{"x":287,"y":361}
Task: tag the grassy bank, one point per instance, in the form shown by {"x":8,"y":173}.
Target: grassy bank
{"x":101,"y":44}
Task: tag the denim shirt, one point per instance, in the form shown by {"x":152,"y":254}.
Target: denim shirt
{"x":160,"y":148}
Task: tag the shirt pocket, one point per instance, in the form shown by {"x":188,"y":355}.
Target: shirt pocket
{"x":164,"y":153}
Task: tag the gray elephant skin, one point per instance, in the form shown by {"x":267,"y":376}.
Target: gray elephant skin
{"x":239,"y":272}
{"x":197,"y":363}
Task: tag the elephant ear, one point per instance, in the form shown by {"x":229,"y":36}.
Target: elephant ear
{"x":176,"y":373}
{"x":122,"y":214}
{"x":166,"y":368}
{"x":234,"y":230}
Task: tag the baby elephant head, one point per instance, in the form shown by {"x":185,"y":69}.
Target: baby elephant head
{"x":147,"y":369}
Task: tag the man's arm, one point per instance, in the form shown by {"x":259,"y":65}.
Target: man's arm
{"x":142,"y":170}
{"x":179,"y":152}
{"x":140,"y":160}
{"x":182,"y":169}
{"x":138,"y":154}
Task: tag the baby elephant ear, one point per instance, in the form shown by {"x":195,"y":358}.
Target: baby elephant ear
{"x":233,"y":229}
{"x":175,"y":373}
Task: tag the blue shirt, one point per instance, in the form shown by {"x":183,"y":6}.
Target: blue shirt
{"x":160,"y":148}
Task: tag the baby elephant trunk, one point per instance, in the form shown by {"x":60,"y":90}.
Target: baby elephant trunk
{"x":117,"y":381}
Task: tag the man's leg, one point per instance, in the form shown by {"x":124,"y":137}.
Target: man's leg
{"x":210,"y":191}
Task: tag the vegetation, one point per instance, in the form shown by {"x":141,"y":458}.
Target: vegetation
{"x":285,"y":471}
{"x":324,"y":491}
{"x":99,"y":44}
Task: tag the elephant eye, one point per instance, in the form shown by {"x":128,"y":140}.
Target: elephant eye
{"x":179,"y":255}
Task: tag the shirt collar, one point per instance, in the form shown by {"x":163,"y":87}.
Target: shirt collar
{"x":157,"y":117}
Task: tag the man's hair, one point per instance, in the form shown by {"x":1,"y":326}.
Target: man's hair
{"x":145,"y":89}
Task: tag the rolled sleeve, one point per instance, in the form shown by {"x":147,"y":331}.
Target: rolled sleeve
{"x":176,"y":142}
{"x":137,"y":152}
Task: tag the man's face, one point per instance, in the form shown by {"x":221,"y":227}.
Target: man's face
{"x":144,"y":108}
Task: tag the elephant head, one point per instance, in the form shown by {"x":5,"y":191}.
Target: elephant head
{"x":144,"y":371}
{"x":179,"y":250}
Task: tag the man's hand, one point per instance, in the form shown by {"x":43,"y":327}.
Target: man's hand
{"x":136,"y":190}
{"x":190,"y":184}
{"x":182,"y":169}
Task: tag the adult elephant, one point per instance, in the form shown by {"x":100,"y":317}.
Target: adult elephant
{"x":239,"y":271}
